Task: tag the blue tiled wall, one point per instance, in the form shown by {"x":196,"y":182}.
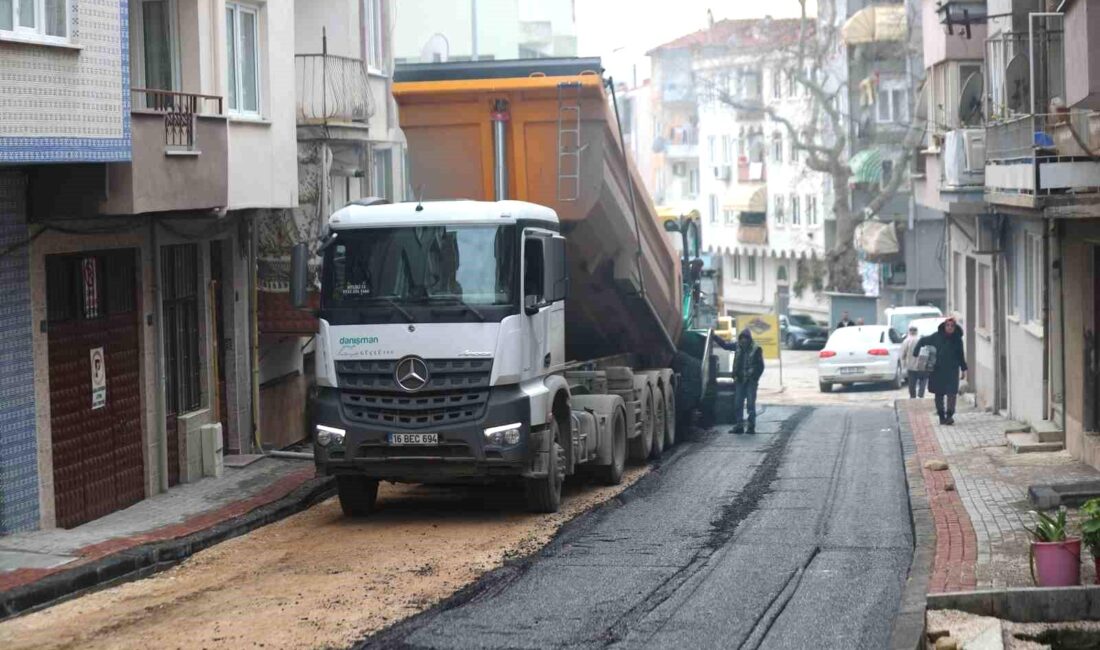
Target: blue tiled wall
{"x":18,"y":462}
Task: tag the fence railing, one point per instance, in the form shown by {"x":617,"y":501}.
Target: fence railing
{"x":1022,"y":68}
{"x":179,"y":111}
{"x":1044,"y":135}
{"x":332,"y":88}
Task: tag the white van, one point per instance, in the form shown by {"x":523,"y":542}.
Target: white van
{"x":898,"y":318}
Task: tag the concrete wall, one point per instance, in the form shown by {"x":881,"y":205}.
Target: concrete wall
{"x":338,"y":18}
{"x":18,"y":447}
{"x":67,"y":104}
{"x":1082,"y":47}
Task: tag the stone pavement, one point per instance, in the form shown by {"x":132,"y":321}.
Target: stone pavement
{"x":980,"y":505}
{"x":185,"y":509}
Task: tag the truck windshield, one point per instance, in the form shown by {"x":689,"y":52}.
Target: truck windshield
{"x":461,"y":266}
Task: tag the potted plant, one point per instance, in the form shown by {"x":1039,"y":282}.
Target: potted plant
{"x":1090,"y":531}
{"x":1055,"y":557}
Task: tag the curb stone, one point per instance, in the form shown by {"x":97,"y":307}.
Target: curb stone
{"x":1030,"y":605}
{"x":909,"y":625}
{"x":146,"y":559}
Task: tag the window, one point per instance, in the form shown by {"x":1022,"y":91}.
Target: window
{"x":736,"y":273}
{"x":792,"y":84}
{"x":242,"y":34}
{"x":957,"y":279}
{"x":750,"y":85}
{"x":156,"y":32}
{"x":779,"y":216}
{"x":727,"y":149}
{"x":985,"y":292}
{"x":534,"y":274}
{"x":781,"y":275}
{"x":777,"y":85}
{"x":796,"y":216}
{"x":756,"y":147}
{"x":751,"y":270}
{"x":792,"y":153}
{"x":383,"y":173}
{"x":892,"y":103}
{"x":777,"y":148}
{"x":45,"y":20}
{"x":713,"y":209}
{"x":179,"y":266}
{"x":811,"y":210}
{"x":712,"y":148}
{"x":693,"y":183}
{"x":1033,"y":278}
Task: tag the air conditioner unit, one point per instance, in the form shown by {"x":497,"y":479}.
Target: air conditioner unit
{"x":974,"y":145}
{"x":722,"y":172}
{"x":679,"y":169}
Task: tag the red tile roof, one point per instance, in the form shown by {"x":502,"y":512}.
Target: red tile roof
{"x":755,"y":32}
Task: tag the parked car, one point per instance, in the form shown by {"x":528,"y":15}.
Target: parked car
{"x":799,"y":331}
{"x":925,"y":326}
{"x":860,"y":355}
{"x":900,"y":317}
{"x":723,"y":329}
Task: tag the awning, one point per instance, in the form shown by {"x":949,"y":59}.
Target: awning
{"x":866,"y":166}
{"x":875,"y":24}
{"x":748,"y":198}
{"x":675,"y":211}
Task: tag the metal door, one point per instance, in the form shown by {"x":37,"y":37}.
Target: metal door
{"x":92,"y":308}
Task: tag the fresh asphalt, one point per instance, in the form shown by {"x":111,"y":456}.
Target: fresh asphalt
{"x":796,"y":537}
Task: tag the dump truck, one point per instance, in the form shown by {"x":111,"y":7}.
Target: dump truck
{"x":525,"y":318}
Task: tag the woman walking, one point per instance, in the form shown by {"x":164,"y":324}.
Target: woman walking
{"x":916,"y":376}
{"x":950,"y":367}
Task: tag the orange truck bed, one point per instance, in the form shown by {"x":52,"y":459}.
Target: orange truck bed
{"x":619,"y":302}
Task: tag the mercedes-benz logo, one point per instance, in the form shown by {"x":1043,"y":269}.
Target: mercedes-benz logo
{"x":411,"y":374}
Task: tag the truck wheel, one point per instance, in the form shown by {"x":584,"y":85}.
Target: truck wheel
{"x":613,"y":474}
{"x":641,"y":445}
{"x":544,"y":494}
{"x":658,"y":418}
{"x":670,"y":417}
{"x":357,"y":494}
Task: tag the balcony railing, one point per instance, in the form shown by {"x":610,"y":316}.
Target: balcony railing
{"x":1044,"y":155}
{"x":179,"y":111}
{"x":1025,"y":69}
{"x":332,"y":89}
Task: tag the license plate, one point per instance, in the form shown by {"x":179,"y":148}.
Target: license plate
{"x":398,"y":439}
{"x":851,"y":370}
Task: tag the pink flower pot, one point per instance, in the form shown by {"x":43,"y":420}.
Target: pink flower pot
{"x":1056,"y":564}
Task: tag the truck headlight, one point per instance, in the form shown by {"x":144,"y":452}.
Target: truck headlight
{"x":505,"y":434}
{"x":330,"y":436}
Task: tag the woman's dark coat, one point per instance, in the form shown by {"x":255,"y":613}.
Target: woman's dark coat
{"x":950,"y":359}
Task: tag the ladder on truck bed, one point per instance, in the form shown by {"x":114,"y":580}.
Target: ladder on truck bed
{"x":569,"y":141}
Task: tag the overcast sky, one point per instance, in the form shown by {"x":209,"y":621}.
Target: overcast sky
{"x":620,"y":31}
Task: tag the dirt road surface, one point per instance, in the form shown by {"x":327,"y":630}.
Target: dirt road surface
{"x":316,"y":579}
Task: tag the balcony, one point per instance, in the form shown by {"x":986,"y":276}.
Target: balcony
{"x":180,"y":155}
{"x":683,"y":143}
{"x":332,"y":89}
{"x":1033,"y":161}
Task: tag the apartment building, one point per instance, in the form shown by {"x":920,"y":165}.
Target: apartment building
{"x":148,"y":139}
{"x":349,"y":147}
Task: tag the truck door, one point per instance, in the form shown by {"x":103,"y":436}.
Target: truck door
{"x":534,"y":303}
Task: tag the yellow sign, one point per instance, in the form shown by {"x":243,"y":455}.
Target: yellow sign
{"x":765,"y":331}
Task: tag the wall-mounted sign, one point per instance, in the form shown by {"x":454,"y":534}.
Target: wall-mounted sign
{"x":99,"y":378}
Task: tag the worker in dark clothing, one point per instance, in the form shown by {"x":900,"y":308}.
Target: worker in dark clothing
{"x":748,"y":366}
{"x":845,"y":321}
{"x":950,"y":367}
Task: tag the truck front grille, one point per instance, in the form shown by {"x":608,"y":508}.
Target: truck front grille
{"x":457,"y":392}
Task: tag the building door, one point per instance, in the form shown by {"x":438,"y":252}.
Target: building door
{"x":179,"y":266}
{"x":1092,"y":351}
{"x":219,"y":307}
{"x":95,"y":385}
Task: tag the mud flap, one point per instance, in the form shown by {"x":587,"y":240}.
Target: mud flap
{"x":539,"y":462}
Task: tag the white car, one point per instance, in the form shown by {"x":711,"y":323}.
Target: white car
{"x":860,"y":355}
{"x":900,"y":317}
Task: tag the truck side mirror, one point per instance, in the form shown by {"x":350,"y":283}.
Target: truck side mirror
{"x":530,"y":305}
{"x":299,"y":271}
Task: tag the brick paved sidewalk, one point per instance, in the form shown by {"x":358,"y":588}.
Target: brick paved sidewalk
{"x":186,"y":509}
{"x":979,"y":505}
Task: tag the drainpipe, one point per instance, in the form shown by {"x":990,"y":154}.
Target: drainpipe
{"x":500,"y":119}
{"x":255,"y":335}
{"x":1047,"y":348}
{"x":160,"y":430}
{"x":1062,"y":314}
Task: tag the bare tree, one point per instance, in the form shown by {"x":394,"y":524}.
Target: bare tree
{"x":823,"y":135}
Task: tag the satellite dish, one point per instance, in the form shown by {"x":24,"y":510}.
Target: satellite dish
{"x":970,"y":100}
{"x":436,"y":50}
{"x":1018,"y":84}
